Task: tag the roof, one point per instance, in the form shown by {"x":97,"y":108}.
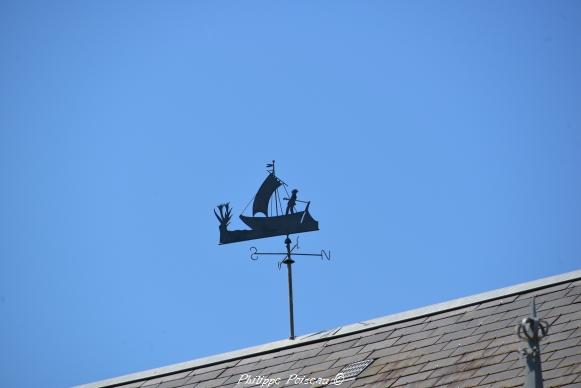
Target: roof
{"x":462,"y":343}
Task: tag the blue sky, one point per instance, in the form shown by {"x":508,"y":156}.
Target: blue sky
{"x":438,"y":142}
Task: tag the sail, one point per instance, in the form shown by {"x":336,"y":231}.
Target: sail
{"x":270,"y":184}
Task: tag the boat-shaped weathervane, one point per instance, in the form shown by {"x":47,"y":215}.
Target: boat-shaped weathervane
{"x":269,"y":220}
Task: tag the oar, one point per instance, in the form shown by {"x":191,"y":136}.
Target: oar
{"x":296,"y":200}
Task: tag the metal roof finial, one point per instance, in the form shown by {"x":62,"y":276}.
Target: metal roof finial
{"x":532,"y":329}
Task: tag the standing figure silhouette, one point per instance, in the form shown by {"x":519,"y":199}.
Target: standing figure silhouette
{"x":292,"y":201}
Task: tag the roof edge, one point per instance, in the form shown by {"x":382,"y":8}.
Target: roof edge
{"x":340,"y":331}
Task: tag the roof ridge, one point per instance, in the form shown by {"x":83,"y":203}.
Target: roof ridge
{"x":342,"y":330}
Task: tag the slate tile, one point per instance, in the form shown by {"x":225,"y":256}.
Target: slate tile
{"x":440,"y":363}
{"x":485,"y":326}
{"x":409,"y":322}
{"x":285,"y":374}
{"x":379,"y":345}
{"x":205,"y":376}
{"x":351,"y":359}
{"x":439,"y":355}
{"x":512,"y":355}
{"x":469,"y":383}
{"x":518,"y":315}
{"x":574,"y":291}
{"x":306,"y":354}
{"x":570,"y":308}
{"x":397,"y":370}
{"x":559,"y":345}
{"x":312,"y":349}
{"x":390,"y":358}
{"x":573,"y":318}
{"x":504,"y":341}
{"x":549,"y":305}
{"x":317,"y":367}
{"x":278,"y":368}
{"x":461,"y":342}
{"x":517,"y":381}
{"x":499,"y":302}
{"x":262,"y":357}
{"x":550,"y":290}
{"x":212,"y":383}
{"x":449,"y":370}
{"x":337,"y":347}
{"x":397,"y":364}
{"x":310,"y":361}
{"x":556,"y":336}
{"x":339,"y":340}
{"x":560,"y":381}
{"x":496,"y":368}
{"x":387,"y":351}
{"x":575,"y":369}
{"x":412,"y":378}
{"x":471,"y":348}
{"x":571,"y":360}
{"x":368,"y":380}
{"x":426,"y":349}
{"x":571,"y":348}
{"x":500,"y":376}
{"x":330,"y":373}
{"x":421,"y":343}
{"x":455,"y":335}
{"x":479,"y":313}
{"x":442,"y":322}
{"x":173,"y":383}
{"x":425,"y":383}
{"x":448,"y":379}
{"x":222,"y":365}
{"x":273,"y":361}
{"x":575,"y":283}
{"x":453,"y":312}
{"x":505,"y":332}
{"x":554,"y":373}
{"x":404,"y":331}
{"x":152,"y":382}
{"x":481,"y":363}
{"x":479,"y":354}
{"x":373,"y":338}
{"x":456,"y":330}
{"x":342,"y":353}
{"x":237,"y":370}
{"x":372,"y":369}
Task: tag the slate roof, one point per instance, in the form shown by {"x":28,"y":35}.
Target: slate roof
{"x":468,"y":342}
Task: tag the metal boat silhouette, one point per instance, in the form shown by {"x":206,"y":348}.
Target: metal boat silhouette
{"x":267,"y":224}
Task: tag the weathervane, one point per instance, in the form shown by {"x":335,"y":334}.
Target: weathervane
{"x":272,"y":223}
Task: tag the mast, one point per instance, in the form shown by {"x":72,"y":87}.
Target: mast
{"x":275,"y":192}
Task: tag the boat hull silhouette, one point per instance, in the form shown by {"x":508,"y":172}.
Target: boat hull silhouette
{"x":262,"y":227}
{"x":286,"y":224}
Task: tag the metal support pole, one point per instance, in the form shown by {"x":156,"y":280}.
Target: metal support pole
{"x":532,"y":330}
{"x":289,"y":261}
